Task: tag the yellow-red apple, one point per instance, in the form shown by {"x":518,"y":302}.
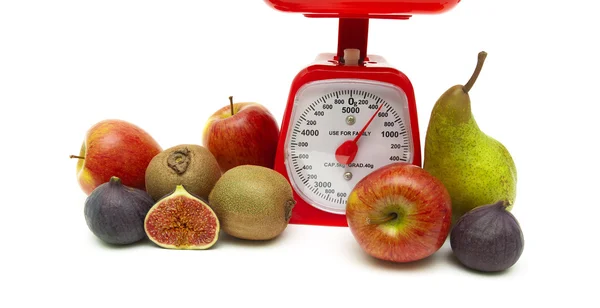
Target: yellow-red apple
{"x":115,"y":148}
{"x":242,"y":134}
{"x":399,"y":213}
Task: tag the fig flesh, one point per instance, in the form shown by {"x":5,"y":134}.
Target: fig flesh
{"x":182,"y":221}
{"x":487,"y":238}
{"x":115,"y":213}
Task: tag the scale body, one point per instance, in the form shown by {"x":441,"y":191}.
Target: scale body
{"x":339,"y":97}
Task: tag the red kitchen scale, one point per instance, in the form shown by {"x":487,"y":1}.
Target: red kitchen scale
{"x":348,"y":113}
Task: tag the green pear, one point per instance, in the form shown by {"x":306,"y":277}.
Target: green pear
{"x":475,"y":168}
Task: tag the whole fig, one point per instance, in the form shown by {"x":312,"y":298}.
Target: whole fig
{"x":487,"y":238}
{"x":115,"y":213}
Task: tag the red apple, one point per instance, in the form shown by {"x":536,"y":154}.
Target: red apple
{"x":242,"y":134}
{"x":115,"y":148}
{"x":399,"y":213}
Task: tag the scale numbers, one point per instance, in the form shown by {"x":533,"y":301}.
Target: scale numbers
{"x":328,"y":113}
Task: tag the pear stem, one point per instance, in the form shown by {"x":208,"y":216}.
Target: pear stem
{"x":389,"y":217}
{"x":231,"y":104}
{"x":480,"y":59}
{"x":78,"y":157}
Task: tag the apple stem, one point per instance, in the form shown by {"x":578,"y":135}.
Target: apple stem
{"x":480,"y":59}
{"x":231,"y":104}
{"x":78,"y":157}
{"x":388,"y":218}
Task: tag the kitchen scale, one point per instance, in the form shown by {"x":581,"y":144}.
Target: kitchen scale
{"x":348,"y":113}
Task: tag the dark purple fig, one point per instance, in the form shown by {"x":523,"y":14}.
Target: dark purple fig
{"x":487,"y":238}
{"x":115,"y":213}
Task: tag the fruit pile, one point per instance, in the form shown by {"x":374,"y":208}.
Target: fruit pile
{"x":182,"y":197}
{"x":465,"y":189}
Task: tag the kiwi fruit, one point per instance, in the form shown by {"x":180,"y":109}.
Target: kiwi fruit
{"x":252,"y":202}
{"x":192,"y":166}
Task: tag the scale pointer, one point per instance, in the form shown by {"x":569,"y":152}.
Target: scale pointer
{"x":346,"y":152}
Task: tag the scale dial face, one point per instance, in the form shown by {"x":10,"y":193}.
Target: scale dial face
{"x":327,"y":113}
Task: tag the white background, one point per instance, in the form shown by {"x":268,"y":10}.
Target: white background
{"x":65,"y":65}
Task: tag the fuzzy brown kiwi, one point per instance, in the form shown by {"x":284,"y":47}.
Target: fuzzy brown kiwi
{"x":192,"y":166}
{"x":252,"y":202}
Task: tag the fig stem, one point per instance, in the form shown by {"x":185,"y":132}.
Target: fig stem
{"x":78,"y":157}
{"x":480,"y":60}
{"x":503,"y":203}
{"x":231,"y":105}
{"x":378,"y":221}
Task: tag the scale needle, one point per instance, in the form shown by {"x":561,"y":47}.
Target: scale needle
{"x":346,"y":152}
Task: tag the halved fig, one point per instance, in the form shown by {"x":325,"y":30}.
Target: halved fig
{"x":182,"y":221}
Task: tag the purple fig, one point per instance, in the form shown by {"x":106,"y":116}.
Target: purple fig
{"x":115,"y":213}
{"x":487,"y":238}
